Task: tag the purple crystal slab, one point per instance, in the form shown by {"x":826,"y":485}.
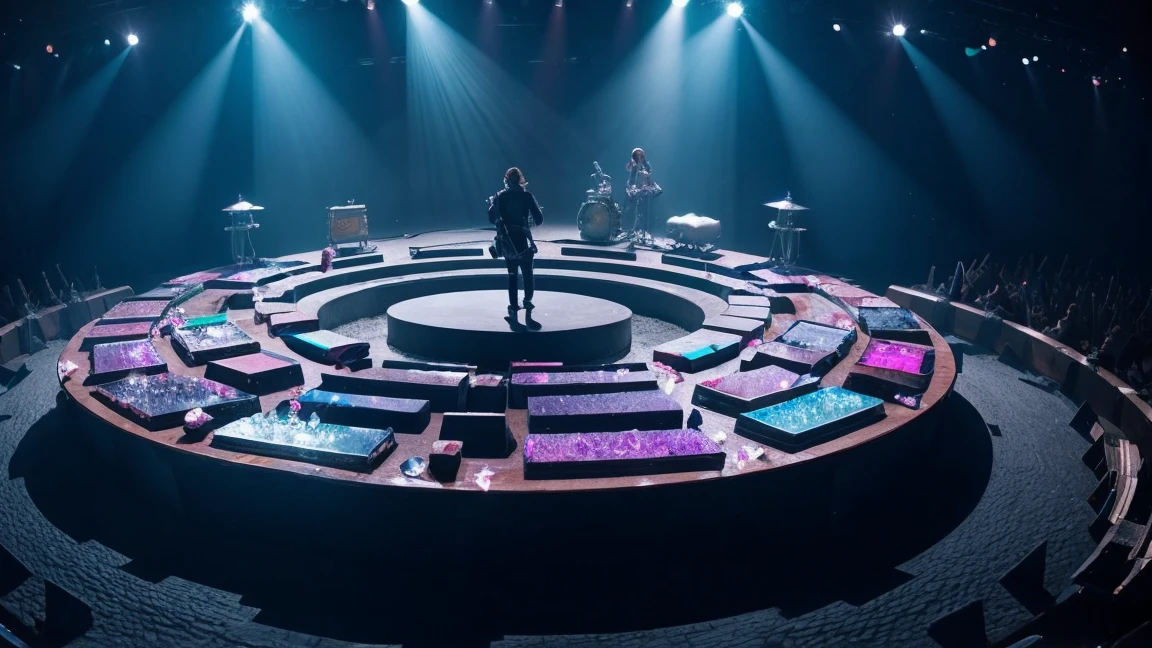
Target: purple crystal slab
{"x":137,"y":311}
{"x":327,"y":347}
{"x":446,"y":391}
{"x":485,"y":435}
{"x":159,"y":402}
{"x":116,"y":360}
{"x":618,"y":454}
{"x":698,"y":351}
{"x":747,"y":329}
{"x":292,"y":323}
{"x":898,"y":356}
{"x":526,"y":384}
{"x":403,"y":415}
{"x":201,"y":344}
{"x":810,"y":419}
{"x":751,"y":390}
{"x":325,"y":444}
{"x":257,"y":373}
{"x":646,"y":410}
{"x":119,"y":332}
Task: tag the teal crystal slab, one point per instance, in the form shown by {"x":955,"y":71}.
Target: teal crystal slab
{"x":323,"y":444}
{"x":619,"y":454}
{"x":205,"y":320}
{"x":811,"y":419}
{"x":327,"y":347}
{"x":202,"y":344}
{"x":160,"y":402}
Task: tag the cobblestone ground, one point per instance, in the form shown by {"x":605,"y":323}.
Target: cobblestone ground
{"x":1035,"y":493}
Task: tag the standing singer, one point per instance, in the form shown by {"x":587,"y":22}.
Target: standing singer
{"x":510,"y":210}
{"x":641,"y":190}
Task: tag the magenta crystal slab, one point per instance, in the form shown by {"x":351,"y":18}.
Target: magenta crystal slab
{"x":194,"y":278}
{"x":616,"y":454}
{"x":644,"y":410}
{"x":148,"y":310}
{"x":898,"y":356}
{"x":161,"y":401}
{"x":116,"y":360}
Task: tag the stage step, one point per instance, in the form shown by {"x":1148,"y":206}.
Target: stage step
{"x":446,"y":391}
{"x":747,"y":329}
{"x":643,"y":410}
{"x":524,"y":385}
{"x":403,"y":415}
{"x":598,"y":253}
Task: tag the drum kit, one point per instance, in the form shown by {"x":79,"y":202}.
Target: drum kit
{"x":787,"y":236}
{"x":600,"y":217}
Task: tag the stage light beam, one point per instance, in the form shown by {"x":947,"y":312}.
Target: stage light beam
{"x":735,"y":9}
{"x":899,"y":30}
{"x":680,"y":3}
{"x":133,"y":40}
{"x":411,"y":2}
{"x":250,"y":12}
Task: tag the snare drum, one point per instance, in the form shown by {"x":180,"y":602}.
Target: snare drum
{"x":598,"y":220}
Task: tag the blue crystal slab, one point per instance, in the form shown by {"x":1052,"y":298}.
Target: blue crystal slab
{"x":810,"y":419}
{"x":892,"y":324}
{"x":324,"y":444}
{"x":446,"y":391}
{"x":403,"y":415}
{"x":159,"y":402}
{"x":816,"y":337}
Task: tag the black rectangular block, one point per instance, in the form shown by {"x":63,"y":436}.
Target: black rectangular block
{"x":485,"y":435}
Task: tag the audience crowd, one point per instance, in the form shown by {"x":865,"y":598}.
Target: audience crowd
{"x":1107,"y":317}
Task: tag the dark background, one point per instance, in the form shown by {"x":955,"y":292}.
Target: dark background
{"x":1060,"y":166}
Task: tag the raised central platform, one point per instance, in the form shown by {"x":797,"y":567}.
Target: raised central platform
{"x":474,"y":327}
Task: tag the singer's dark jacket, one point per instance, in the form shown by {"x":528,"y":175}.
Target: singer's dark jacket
{"x":514,"y":206}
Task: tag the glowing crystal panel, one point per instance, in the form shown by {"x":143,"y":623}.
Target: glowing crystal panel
{"x":403,"y":415}
{"x":160,"y":402}
{"x":201,"y":344}
{"x":205,"y":320}
{"x":810,"y":419}
{"x":446,"y":391}
{"x":698,"y":351}
{"x":887,"y":319}
{"x":614,"y":454}
{"x":749,"y":390}
{"x":898,"y":356}
{"x":526,"y":384}
{"x":644,"y":410}
{"x":815,"y":337}
{"x":117,"y":359}
{"x":325,"y":444}
{"x":258,"y":373}
{"x":146,"y":310}
{"x":120,"y":332}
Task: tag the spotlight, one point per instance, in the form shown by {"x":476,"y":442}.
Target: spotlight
{"x":628,"y":4}
{"x":133,"y":40}
{"x":835,"y":26}
{"x":559,"y":3}
{"x":735,"y":9}
{"x":411,"y":2}
{"x":15,"y":66}
{"x":250,"y":12}
{"x":370,"y":5}
{"x":1035,"y":58}
{"x":991,"y":42}
{"x":107,"y":42}
{"x":49,"y":48}
{"x":899,"y":30}
{"x":1096,"y":82}
{"x":923,"y":31}
{"x":1124,"y":49}
{"x":1025,"y":60}
{"x":680,"y":3}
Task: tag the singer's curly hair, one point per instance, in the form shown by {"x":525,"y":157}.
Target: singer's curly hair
{"x":513,"y":177}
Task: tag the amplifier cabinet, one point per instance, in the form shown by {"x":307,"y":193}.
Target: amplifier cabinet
{"x":348,"y":224}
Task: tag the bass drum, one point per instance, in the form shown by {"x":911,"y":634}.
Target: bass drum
{"x":598,"y":220}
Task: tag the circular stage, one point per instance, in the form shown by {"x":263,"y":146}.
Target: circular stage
{"x":474,"y":327}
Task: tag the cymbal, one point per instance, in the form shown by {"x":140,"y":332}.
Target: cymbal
{"x":243,"y":206}
{"x":785,"y":205}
